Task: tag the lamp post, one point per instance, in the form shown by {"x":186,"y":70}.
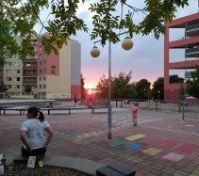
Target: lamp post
{"x":127,"y":44}
{"x":109,"y":93}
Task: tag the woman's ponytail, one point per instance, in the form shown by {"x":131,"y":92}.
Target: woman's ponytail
{"x":41,"y":116}
{"x":36,"y":113}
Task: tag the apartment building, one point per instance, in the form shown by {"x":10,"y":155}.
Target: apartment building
{"x":12,"y":76}
{"x":46,"y":76}
{"x":189,"y":43}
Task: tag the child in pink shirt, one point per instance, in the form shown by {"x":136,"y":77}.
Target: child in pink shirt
{"x":134,"y":113}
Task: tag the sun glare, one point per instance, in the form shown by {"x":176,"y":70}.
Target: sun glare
{"x":89,"y":91}
{"x":90,"y":86}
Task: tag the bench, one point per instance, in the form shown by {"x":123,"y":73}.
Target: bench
{"x":49,"y":110}
{"x":116,"y":170}
{"x":68,"y":109}
{"x":93,"y":109}
{"x":21,"y":111}
{"x":56,"y":109}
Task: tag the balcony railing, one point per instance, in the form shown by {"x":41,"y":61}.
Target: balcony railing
{"x":192,"y":30}
{"x":192,"y":52}
{"x":29,"y":82}
{"x":29,"y":67}
{"x":30,"y":75}
{"x":192,"y":27}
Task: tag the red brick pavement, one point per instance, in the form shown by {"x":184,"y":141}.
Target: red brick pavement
{"x":85,"y":135}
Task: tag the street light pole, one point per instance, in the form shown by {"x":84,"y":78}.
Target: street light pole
{"x":109,"y":93}
{"x":127,"y":44}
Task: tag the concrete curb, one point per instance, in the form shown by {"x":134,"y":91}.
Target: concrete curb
{"x":79,"y":164}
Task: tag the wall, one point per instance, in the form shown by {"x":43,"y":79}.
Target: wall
{"x":75,"y":68}
{"x":59,"y":85}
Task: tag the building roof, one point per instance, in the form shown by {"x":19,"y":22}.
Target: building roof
{"x":181,"y":22}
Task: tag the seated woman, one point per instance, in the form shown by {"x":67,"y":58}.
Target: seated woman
{"x":32,"y":133}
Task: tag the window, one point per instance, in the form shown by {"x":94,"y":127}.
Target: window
{"x":17,"y":64}
{"x":18,"y":86}
{"x":18,"y":79}
{"x":44,"y":86}
{"x":40,"y":86}
{"x":9,"y":79}
{"x":18,"y":71}
{"x":40,"y":78}
{"x":8,"y":71}
{"x":9,"y":86}
{"x":53,"y":68}
{"x":44,"y":78}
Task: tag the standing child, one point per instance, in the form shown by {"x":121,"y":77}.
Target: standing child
{"x":134,"y":113}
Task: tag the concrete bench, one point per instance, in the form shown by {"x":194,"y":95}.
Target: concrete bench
{"x":84,"y":165}
{"x":116,"y":170}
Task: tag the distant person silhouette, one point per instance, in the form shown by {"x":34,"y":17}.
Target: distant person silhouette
{"x":134,"y":110}
{"x":75,"y":99}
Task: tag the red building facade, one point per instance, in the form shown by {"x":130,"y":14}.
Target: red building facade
{"x":190,"y":44}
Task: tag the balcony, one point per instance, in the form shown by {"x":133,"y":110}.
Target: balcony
{"x":29,"y":82}
{"x":192,"y":30}
{"x":192,"y":52}
{"x":185,"y":42}
{"x":29,"y":75}
{"x":29,"y":67}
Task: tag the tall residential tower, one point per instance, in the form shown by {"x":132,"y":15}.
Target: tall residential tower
{"x":46,"y":76}
{"x":189,"y":43}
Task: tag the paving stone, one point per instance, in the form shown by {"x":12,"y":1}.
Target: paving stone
{"x":168,"y":170}
{"x":134,"y":146}
{"x":173,"y":156}
{"x":194,"y":174}
{"x":135,"y":137}
{"x":180,"y":173}
{"x":90,"y":140}
{"x":117,"y":142}
{"x":152,"y":151}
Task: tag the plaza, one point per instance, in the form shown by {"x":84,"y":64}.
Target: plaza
{"x":161,"y":144}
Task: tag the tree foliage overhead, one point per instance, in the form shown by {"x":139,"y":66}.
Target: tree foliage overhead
{"x":19,"y":17}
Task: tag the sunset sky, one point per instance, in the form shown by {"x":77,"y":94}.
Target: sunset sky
{"x":145,"y":60}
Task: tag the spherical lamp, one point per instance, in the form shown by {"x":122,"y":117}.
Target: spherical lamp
{"x":127,"y":43}
{"x":95,"y":52}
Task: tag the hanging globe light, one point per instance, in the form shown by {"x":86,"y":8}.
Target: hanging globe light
{"x":127,"y":43}
{"x":95,"y":52}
